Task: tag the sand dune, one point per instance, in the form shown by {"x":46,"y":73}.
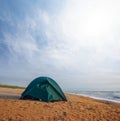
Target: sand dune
{"x":77,"y":108}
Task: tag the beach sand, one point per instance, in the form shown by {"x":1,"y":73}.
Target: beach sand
{"x":77,"y":108}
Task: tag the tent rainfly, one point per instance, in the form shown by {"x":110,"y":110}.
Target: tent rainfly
{"x":43,"y":89}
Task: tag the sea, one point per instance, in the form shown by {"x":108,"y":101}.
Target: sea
{"x":113,"y":96}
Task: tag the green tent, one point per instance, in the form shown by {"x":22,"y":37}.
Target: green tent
{"x":44,"y":89}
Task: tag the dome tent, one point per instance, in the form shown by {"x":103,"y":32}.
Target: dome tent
{"x":44,"y":89}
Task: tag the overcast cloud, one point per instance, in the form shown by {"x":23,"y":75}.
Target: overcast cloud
{"x":74,"y":42}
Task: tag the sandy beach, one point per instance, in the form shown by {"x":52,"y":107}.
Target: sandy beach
{"x":77,"y":108}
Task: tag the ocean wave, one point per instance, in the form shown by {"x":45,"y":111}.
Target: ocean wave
{"x":102,"y":95}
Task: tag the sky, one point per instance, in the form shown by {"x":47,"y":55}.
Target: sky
{"x":75,"y":42}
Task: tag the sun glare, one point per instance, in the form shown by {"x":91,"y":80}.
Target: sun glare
{"x":89,"y":24}
{"x":96,"y":24}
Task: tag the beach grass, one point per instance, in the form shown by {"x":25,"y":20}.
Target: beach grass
{"x":11,"y":86}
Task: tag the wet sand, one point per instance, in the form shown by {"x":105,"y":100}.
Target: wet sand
{"x":77,"y":108}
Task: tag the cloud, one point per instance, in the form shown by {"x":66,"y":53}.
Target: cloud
{"x":77,"y":42}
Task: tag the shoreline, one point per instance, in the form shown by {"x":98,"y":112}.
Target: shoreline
{"x":77,"y":108}
{"x":97,"y":98}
